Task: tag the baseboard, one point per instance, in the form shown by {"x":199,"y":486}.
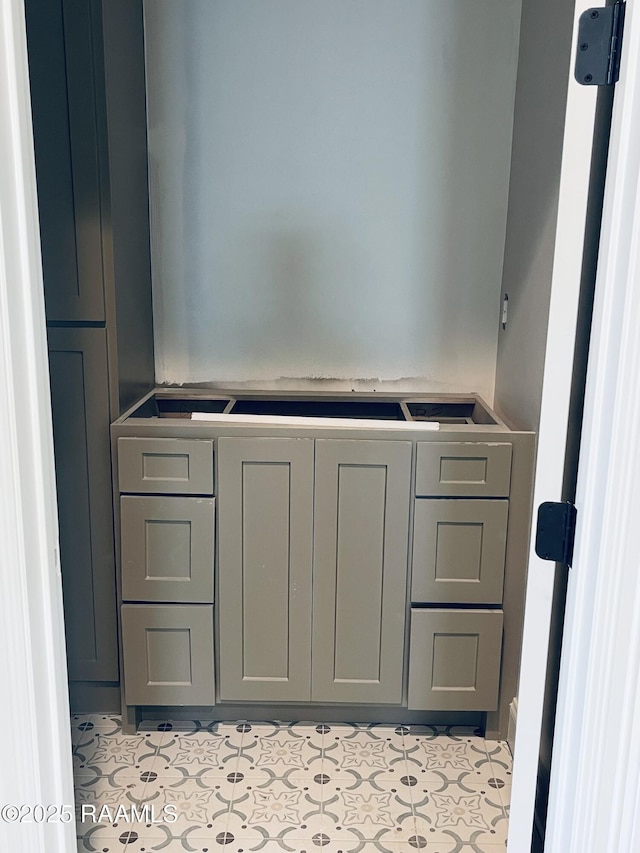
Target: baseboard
{"x":511,"y":730}
{"x":316,"y":713}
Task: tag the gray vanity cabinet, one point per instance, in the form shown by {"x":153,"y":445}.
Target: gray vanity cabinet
{"x":361,"y":523}
{"x":330,"y":565}
{"x":265,"y":533}
{"x":273,"y":538}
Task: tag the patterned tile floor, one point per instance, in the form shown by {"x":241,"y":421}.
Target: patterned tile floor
{"x":288,"y":788}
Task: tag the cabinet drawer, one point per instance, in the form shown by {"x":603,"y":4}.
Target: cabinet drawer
{"x":459,"y":551}
{"x":167,"y":548}
{"x":454,"y":660}
{"x":165,"y":466}
{"x":463,"y":469}
{"x":168,"y":654}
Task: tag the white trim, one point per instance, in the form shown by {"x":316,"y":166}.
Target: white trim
{"x":513,"y":723}
{"x":34,"y":712}
{"x":552,"y":438}
{"x":595,"y":787}
{"x":290,"y":420}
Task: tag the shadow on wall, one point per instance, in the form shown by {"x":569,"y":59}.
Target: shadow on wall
{"x":292,"y":268}
{"x":533,"y":203}
{"x":328,"y":187}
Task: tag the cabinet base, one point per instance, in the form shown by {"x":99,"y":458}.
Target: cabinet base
{"x":94,"y":697}
{"x":151,"y":716}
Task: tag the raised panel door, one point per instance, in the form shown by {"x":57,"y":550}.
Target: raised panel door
{"x":454,"y":659}
{"x":61,"y":67}
{"x":80,"y":406}
{"x":457,"y":469}
{"x":459,"y":551}
{"x":168,"y":654}
{"x":167,"y":548}
{"x":265,"y":512}
{"x":361,"y":528}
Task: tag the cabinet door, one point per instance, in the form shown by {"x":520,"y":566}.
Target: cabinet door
{"x":454,"y":659}
{"x":80,"y":406}
{"x":61,"y":68}
{"x":167,"y":548}
{"x":463,"y":469}
{"x":165,"y":466}
{"x":168,"y":654}
{"x":361,"y":529}
{"x":265,"y":507}
{"x":458,"y":551}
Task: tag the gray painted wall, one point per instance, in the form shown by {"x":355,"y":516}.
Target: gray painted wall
{"x":329,"y":187}
{"x":541,"y":96}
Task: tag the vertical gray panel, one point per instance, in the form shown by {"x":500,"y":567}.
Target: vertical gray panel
{"x":81,"y":92}
{"x":123,"y":125}
{"x":360,"y":543}
{"x":515,"y":577}
{"x":459,"y":551}
{"x":80,"y":406}
{"x":265,"y":512}
{"x":51,"y":135}
{"x":361,"y":527}
{"x":454,"y":659}
{"x":61,"y":67}
{"x":266,"y":498}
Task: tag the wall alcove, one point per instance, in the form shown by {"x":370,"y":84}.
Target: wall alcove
{"x":285,"y":195}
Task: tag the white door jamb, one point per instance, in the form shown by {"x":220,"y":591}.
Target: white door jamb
{"x":35,"y":742}
{"x":594,"y":798}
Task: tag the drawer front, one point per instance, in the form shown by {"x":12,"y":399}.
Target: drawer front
{"x":167,"y":548}
{"x":454,"y":660}
{"x":168,"y":654}
{"x":165,"y":466}
{"x":459,"y":551}
{"x":471,"y":470}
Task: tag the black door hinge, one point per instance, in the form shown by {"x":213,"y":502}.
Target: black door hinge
{"x":555,"y":532}
{"x":599,"y":45}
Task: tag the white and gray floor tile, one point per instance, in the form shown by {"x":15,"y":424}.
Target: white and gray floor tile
{"x":271,"y":787}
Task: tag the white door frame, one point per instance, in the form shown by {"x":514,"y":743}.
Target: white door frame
{"x":35,"y":742}
{"x":552,"y":437}
{"x":594,"y":794}
{"x":594,"y":799}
